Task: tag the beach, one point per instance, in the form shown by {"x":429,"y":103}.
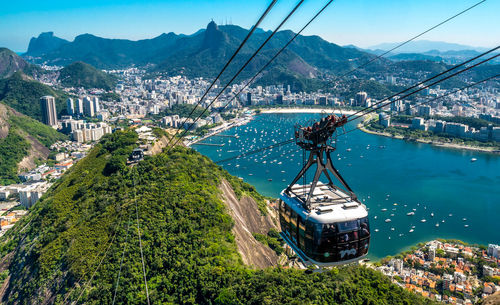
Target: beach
{"x":306,"y":110}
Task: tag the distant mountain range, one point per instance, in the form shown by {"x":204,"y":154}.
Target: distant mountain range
{"x":201,"y":54}
{"x":422,"y":46}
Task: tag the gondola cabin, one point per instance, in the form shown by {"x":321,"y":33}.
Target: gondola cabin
{"x":324,"y":224}
{"x":335,"y":231}
{"x":136,"y":156}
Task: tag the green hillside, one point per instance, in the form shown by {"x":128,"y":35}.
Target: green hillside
{"x":70,"y":248}
{"x":15,"y":145}
{"x":23,"y":94}
{"x":80,"y":74}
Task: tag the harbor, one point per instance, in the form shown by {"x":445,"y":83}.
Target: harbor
{"x":441,"y":200}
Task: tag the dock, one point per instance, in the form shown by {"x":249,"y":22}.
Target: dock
{"x":208,"y":144}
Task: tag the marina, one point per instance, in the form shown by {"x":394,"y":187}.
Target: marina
{"x":442,"y":185}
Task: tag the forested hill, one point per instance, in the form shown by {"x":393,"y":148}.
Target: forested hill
{"x":81,"y":241}
{"x":23,"y":142}
{"x":80,"y":74}
{"x":23,"y":94}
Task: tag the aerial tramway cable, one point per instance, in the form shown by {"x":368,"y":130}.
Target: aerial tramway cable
{"x":252,"y":30}
{"x":140,"y":241}
{"x":411,"y":39}
{"x":369,"y":109}
{"x":277,"y":54}
{"x":238,"y":73}
{"x":434,"y":99}
{"x":427,"y":80}
{"x":372,"y":108}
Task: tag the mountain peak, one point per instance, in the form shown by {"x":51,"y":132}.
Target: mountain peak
{"x":10,"y":63}
{"x":214,"y":37}
{"x":44,"y":43}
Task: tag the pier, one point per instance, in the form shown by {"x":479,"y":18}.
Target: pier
{"x":226,"y":135}
{"x":208,"y":144}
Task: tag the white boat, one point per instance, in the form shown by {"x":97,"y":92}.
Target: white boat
{"x":437,"y":224}
{"x":410,"y":214}
{"x":432,"y":214}
{"x":464,"y":219}
{"x":383,"y":210}
{"x":466,"y":226}
{"x":473,"y":160}
{"x":411,"y":230}
{"x":392,"y":229}
{"x":387,"y":220}
{"x":376,"y":230}
{"x":423,"y":220}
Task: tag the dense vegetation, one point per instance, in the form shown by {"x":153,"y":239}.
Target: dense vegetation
{"x":71,"y":245}
{"x":43,"y":133}
{"x":13,"y":149}
{"x":80,"y":74}
{"x":24,"y":95}
{"x":16,"y":145}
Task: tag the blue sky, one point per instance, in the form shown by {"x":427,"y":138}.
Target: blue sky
{"x":360,"y":22}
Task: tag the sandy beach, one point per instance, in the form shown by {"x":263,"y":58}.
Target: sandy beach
{"x":305,"y":110}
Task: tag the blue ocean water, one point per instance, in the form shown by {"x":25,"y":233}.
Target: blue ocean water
{"x":385,"y":173}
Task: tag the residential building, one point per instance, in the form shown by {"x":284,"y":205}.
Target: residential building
{"x":49,"y":112}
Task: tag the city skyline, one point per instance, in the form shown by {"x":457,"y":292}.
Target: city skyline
{"x":359,"y":22}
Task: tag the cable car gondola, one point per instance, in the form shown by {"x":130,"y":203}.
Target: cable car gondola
{"x":136,"y":156}
{"x":324,"y":224}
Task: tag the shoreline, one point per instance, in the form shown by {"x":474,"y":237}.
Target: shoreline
{"x":437,"y":144}
{"x":304,"y":110}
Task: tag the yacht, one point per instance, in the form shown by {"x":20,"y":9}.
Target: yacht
{"x":410,"y":214}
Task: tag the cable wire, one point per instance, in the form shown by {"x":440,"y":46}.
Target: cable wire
{"x":277,"y":54}
{"x":371,"y":109}
{"x":252,"y":30}
{"x":121,"y":261}
{"x":411,"y":39}
{"x":256,"y":151}
{"x":360,"y":125}
{"x":140,"y":241}
{"x":239,"y":71}
{"x":429,"y":79}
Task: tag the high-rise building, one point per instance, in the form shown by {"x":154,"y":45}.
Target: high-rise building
{"x":361,"y":98}
{"x":49,"y":112}
{"x":88,"y":107}
{"x":79,"y":107}
{"x":97,"y":107}
{"x":70,"y":106}
{"x":279,"y":99}
{"x":249,"y":99}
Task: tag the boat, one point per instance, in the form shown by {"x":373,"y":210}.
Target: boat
{"x":437,"y":224}
{"x":464,"y":219}
{"x":410,"y":214}
{"x":269,"y":179}
{"x":383,"y":210}
{"x":432,"y":214}
{"x":466,"y":226}
{"x":376,"y":230}
{"x":473,"y":160}
{"x":411,"y":230}
{"x":387,"y":220}
{"x":423,"y":220}
{"x":392,"y":229}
